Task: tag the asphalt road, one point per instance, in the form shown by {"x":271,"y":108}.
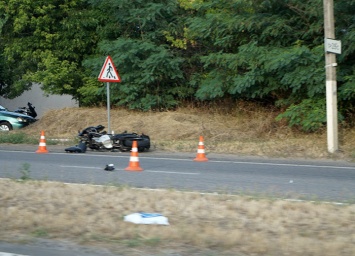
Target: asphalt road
{"x":286,"y":178}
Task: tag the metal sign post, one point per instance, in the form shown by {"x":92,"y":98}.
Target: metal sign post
{"x":109,"y":74}
{"x":108,"y":108}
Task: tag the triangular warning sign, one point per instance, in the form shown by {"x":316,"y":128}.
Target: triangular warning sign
{"x":108,"y":72}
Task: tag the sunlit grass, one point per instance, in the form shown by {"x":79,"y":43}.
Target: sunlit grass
{"x":238,"y":224}
{"x":243,"y":129}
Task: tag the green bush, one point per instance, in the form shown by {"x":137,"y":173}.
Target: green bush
{"x":310,"y":114}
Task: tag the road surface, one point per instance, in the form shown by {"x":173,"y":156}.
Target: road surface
{"x":297,"y":179}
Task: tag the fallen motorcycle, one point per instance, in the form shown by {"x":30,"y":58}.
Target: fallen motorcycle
{"x":95,"y":138}
{"x":29,"y":110}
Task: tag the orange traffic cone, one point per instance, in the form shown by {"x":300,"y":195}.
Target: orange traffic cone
{"x":200,"y":157}
{"x":42,"y":144}
{"x":133,"y":160}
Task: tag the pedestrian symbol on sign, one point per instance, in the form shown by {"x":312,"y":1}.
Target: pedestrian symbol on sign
{"x":109,"y":74}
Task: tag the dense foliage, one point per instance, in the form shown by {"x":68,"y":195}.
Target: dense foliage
{"x":171,"y":51}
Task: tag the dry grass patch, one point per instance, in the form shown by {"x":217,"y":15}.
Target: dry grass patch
{"x":223,"y":223}
{"x":245,"y":129}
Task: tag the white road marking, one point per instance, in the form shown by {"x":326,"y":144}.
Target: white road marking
{"x":297,"y":165}
{"x":188,"y":173}
{"x":81,"y":167}
{"x":11,"y":254}
{"x":97,"y":168}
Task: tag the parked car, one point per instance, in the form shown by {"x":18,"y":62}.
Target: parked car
{"x":12,"y":121}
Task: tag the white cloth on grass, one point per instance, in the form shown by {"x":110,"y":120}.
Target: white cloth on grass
{"x":146,"y":218}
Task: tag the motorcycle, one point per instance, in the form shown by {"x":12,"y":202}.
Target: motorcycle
{"x":95,"y":138}
{"x":29,"y":110}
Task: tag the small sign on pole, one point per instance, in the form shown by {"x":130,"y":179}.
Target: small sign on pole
{"x":332,"y":46}
{"x":109,"y":74}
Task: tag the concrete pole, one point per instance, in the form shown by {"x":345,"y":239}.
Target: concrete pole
{"x":331,"y":83}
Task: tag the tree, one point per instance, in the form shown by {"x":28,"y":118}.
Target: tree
{"x":264,"y":50}
{"x":150,"y":68}
{"x":254,"y":50}
{"x":345,"y":31}
{"x":170,"y":51}
{"x":45,"y":42}
{"x":3,"y":78}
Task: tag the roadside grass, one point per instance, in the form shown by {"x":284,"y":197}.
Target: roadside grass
{"x":17,"y":138}
{"x":242,"y":129}
{"x":220,"y":224}
{"x":20,"y":137}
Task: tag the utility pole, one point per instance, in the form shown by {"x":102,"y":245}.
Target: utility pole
{"x":331,"y":83}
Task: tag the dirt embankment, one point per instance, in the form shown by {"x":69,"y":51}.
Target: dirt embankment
{"x":244,"y":130}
